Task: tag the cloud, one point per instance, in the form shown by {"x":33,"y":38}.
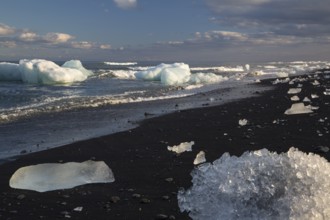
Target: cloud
{"x":28,"y":36}
{"x":285,"y":17}
{"x":6,"y":30}
{"x":57,"y":38}
{"x":82,"y":45}
{"x":105,"y":46}
{"x":126,"y":4}
{"x":8,"y":44}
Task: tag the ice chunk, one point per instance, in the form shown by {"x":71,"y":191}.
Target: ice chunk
{"x":185,"y":146}
{"x":298,"y":108}
{"x":9,"y":72}
{"x":294,"y":91}
{"x":260,"y":185}
{"x":200,"y":158}
{"x":54,"y":176}
{"x":206,"y":78}
{"x":295,"y":98}
{"x":306,"y":99}
{"x":242,"y":122}
{"x":314,"y":96}
{"x":76,"y":64}
{"x":48,"y":72}
{"x":168,"y":74}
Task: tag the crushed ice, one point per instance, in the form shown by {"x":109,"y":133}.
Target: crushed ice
{"x":260,"y":185}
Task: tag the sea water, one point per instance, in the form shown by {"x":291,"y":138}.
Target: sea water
{"x":111,"y":96}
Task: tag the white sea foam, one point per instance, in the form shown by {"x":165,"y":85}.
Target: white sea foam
{"x":121,"y":63}
{"x":260,"y":185}
{"x":220,"y":68}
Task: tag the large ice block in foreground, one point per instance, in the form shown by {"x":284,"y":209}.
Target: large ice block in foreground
{"x":38,"y":71}
{"x":48,"y":72}
{"x":54,"y":176}
{"x":260,"y":185}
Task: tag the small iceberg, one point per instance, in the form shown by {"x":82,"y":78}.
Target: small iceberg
{"x":200,"y":158}
{"x":55,"y":176}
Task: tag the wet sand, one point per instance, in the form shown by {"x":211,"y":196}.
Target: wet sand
{"x":148,"y":176}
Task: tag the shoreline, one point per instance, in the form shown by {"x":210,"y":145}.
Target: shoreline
{"x":148,"y":176}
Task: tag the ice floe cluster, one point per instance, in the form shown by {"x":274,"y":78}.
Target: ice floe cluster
{"x":38,"y":71}
{"x":54,"y":176}
{"x":260,"y":185}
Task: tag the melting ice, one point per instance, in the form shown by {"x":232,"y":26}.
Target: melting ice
{"x":260,"y":185}
{"x":54,"y":176}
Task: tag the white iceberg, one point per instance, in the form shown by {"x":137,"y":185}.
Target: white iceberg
{"x":38,"y":71}
{"x":168,"y":74}
{"x":260,"y":185}
{"x":55,"y":176}
{"x":298,"y":108}
{"x":9,"y":72}
{"x":200,"y":158}
{"x":183,"y":147}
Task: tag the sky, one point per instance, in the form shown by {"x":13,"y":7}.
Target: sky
{"x":165,"y":30}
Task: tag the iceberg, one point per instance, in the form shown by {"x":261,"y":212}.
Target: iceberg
{"x":9,"y":72}
{"x":38,"y":71}
{"x":298,"y":108}
{"x":167,"y":74}
{"x":55,"y":176}
{"x":185,"y":146}
{"x":260,"y":185}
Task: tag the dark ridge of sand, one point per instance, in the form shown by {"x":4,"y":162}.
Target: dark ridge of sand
{"x":148,"y":176}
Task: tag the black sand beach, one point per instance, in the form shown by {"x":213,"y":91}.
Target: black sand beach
{"x":148,"y":176}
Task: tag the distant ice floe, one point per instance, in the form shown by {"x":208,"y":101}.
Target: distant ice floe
{"x":55,"y":176}
{"x":40,"y":71}
{"x":260,"y":185}
{"x":298,"y":108}
{"x":183,"y":147}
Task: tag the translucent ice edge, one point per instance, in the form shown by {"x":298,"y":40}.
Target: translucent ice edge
{"x":55,"y":176}
{"x":260,"y":185}
{"x":39,"y":71}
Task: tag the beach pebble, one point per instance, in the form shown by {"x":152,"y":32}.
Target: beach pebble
{"x":145,"y":201}
{"x":161,"y":216}
{"x":115,"y":199}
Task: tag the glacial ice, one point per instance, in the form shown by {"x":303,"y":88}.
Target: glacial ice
{"x":9,"y":72}
{"x":293,"y":91}
{"x":168,"y":74}
{"x":202,"y":78}
{"x":298,"y":108}
{"x":185,"y":146}
{"x":242,"y":122}
{"x":200,"y":158}
{"x":55,"y":176}
{"x":38,"y":71}
{"x":260,"y":185}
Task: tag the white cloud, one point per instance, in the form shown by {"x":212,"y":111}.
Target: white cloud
{"x":9,"y":44}
{"x":82,"y":45}
{"x":6,"y":30}
{"x":57,"y":38}
{"x":28,"y":36}
{"x":126,"y":4}
{"x":105,"y":46}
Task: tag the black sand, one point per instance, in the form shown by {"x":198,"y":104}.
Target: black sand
{"x":148,"y":176}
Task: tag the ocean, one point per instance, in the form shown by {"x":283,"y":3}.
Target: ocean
{"x":40,"y":113}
